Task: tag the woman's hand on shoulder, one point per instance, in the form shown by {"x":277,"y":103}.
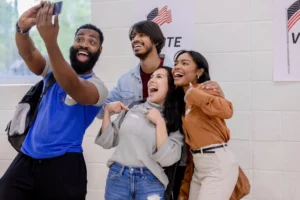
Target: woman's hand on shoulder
{"x":213,"y":86}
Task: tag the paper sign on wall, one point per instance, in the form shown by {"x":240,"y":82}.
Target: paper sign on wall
{"x":287,"y":40}
{"x":175,"y":18}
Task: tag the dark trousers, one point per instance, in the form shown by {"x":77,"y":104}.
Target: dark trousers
{"x":60,"y":178}
{"x":178,"y":178}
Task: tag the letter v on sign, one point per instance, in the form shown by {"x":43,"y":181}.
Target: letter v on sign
{"x":295,"y":39}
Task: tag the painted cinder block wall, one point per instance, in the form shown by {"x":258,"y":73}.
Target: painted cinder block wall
{"x":236,"y":36}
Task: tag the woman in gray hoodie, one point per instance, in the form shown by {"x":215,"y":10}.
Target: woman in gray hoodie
{"x":147,"y":138}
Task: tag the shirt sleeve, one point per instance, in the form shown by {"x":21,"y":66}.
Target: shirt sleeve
{"x":48,"y":67}
{"x":209,"y":102}
{"x":170,"y":152}
{"x":102,"y":89}
{"x":109,"y":138}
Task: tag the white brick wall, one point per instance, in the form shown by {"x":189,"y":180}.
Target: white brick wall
{"x":236,"y":37}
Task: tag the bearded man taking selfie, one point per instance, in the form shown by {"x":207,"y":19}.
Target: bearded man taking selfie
{"x":51,"y":163}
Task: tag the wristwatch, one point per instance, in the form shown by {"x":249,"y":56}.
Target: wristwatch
{"x":19,"y":30}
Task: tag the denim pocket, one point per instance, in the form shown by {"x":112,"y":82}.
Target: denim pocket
{"x":113,"y":173}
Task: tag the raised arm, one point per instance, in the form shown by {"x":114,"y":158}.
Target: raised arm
{"x":115,"y":107}
{"x":108,"y":136}
{"x":32,"y":57}
{"x":210,"y":102}
{"x":82,"y":91}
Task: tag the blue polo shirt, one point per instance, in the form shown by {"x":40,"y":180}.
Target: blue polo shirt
{"x":61,"y":122}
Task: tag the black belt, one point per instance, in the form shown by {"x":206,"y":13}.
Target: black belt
{"x":208,"y":150}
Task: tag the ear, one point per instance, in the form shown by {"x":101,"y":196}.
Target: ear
{"x":100,"y":49}
{"x":200,"y":72}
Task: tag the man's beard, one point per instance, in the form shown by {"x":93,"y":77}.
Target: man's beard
{"x":143,"y":56}
{"x":83,"y":67}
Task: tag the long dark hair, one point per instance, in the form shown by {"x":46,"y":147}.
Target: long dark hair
{"x":152,"y":30}
{"x":200,"y":61}
{"x":174,"y":104}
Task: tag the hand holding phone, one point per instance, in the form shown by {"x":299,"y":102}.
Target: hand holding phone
{"x":57,"y":8}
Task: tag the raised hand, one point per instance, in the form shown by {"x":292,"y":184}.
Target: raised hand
{"x":47,"y":30}
{"x":188,"y":91}
{"x":154,"y":116}
{"x":116,"y":107}
{"x":28,"y":18}
{"x":212,"y":85}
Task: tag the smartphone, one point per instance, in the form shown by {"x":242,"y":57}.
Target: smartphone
{"x":57,"y":8}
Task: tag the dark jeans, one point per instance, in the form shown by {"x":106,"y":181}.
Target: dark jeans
{"x":60,"y":178}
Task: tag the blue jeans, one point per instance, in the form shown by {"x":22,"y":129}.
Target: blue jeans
{"x":132,"y":183}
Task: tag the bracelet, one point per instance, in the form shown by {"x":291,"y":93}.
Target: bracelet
{"x":19,"y":30}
